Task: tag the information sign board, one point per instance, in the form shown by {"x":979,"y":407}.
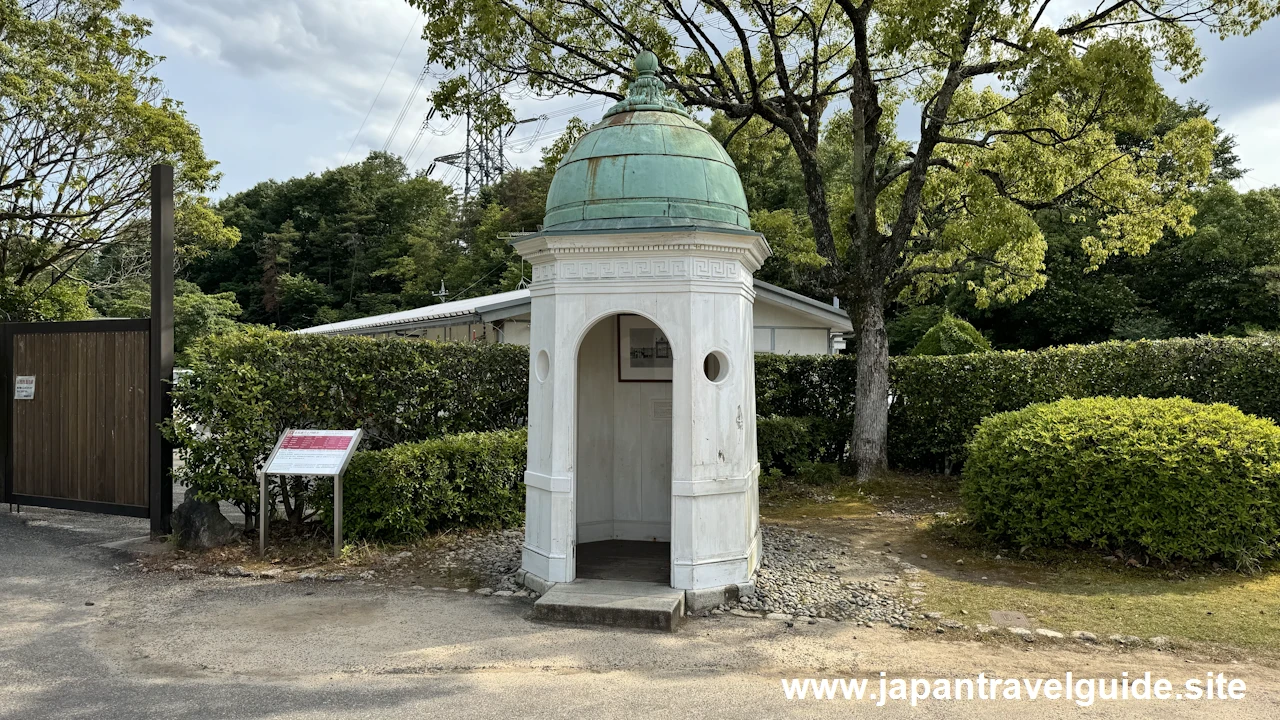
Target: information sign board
{"x":313,"y":452}
{"x":308,"y":452}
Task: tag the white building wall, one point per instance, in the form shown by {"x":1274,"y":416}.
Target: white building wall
{"x":783,"y":331}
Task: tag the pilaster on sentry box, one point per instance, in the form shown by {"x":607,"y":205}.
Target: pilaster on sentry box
{"x":642,"y":436}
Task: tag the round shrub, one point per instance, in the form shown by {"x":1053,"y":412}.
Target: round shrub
{"x":952,"y":336}
{"x":1175,"y":479}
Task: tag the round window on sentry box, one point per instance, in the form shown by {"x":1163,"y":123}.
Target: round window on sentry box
{"x":542,"y":365}
{"x":715,"y":366}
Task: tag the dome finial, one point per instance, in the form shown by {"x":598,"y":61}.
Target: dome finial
{"x":646,"y":91}
{"x":646,"y":64}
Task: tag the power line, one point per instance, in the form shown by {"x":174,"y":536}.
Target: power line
{"x":404,"y":109}
{"x":391,"y":69}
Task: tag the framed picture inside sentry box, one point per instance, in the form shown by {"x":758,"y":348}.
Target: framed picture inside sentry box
{"x":644,"y":353}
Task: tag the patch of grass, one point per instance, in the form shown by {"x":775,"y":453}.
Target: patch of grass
{"x":1064,"y":589}
{"x":794,"y":501}
{"x":1218,"y":609}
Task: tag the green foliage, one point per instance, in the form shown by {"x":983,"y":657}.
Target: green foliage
{"x":456,"y":481}
{"x":195,"y":314}
{"x":787,"y":444}
{"x":951,"y":336}
{"x":85,"y":117}
{"x":801,"y":386}
{"x":1175,"y":479}
{"x":940,"y":400}
{"x":332,"y":246}
{"x":247,"y":387}
{"x":818,"y":473}
{"x":1215,"y":281}
{"x":370,"y":238}
{"x":42,"y":299}
{"x":1220,"y":280}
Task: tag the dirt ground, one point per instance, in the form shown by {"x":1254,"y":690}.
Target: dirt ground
{"x":890,"y":528}
{"x":85,"y":633}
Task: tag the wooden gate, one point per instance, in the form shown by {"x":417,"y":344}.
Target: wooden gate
{"x":77,"y":433}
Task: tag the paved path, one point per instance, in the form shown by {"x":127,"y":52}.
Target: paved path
{"x":160,"y":646}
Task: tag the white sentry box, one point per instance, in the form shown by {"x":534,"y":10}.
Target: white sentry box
{"x":308,"y":452}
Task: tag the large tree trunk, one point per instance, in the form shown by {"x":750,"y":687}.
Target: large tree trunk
{"x":871,"y":416}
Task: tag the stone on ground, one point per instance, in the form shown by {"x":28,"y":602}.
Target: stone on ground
{"x":199,"y":525}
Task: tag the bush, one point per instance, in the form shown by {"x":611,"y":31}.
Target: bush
{"x":787,"y":443}
{"x":472,"y":480}
{"x":951,"y":336}
{"x":1175,"y":479}
{"x":818,"y":473}
{"x":940,"y":400}
{"x":815,"y":386}
{"x":245,"y":388}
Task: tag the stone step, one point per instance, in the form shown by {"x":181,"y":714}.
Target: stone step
{"x":619,"y":603}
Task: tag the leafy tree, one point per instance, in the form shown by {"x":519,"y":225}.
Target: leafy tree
{"x":342,"y":236}
{"x":276,"y":249}
{"x":195,"y":314}
{"x":1077,"y":304}
{"x":82,"y":119}
{"x":1017,"y":113}
{"x":1215,"y":281}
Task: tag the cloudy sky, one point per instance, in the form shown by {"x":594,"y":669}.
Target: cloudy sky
{"x":281,"y":88}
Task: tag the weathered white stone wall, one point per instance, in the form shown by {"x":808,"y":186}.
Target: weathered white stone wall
{"x":623,"y":476}
{"x":697,"y":288}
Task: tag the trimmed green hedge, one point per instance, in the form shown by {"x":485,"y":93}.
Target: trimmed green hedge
{"x":806,"y":386}
{"x":787,"y":443}
{"x":940,"y":400}
{"x":245,"y":388}
{"x":1175,"y":479}
{"x":403,"y":492}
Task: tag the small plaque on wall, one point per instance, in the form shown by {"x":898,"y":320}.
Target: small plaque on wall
{"x":24,"y":387}
{"x":660,"y":410}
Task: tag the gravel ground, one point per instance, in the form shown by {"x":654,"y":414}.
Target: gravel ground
{"x":492,"y":558}
{"x":799,"y":576}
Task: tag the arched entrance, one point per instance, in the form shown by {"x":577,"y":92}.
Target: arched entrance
{"x":622,"y":476}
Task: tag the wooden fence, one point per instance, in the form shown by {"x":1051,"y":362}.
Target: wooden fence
{"x":78,"y":430}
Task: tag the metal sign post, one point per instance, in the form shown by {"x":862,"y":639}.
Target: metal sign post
{"x":308,"y":452}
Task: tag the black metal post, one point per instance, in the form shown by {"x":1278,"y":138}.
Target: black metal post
{"x":160,"y":452}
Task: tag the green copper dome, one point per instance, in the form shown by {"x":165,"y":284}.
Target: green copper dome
{"x":647,"y":164}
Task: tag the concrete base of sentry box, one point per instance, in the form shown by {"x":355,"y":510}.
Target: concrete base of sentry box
{"x":707,"y":598}
{"x":619,"y":603}
{"x":694,"y":600}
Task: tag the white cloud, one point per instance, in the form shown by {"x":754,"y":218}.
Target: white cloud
{"x":331,"y":56}
{"x":1258,"y":134}
{"x":337,"y":52}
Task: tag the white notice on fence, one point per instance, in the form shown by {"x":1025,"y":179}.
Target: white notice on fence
{"x":313,"y":452}
{"x":24,"y":387}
